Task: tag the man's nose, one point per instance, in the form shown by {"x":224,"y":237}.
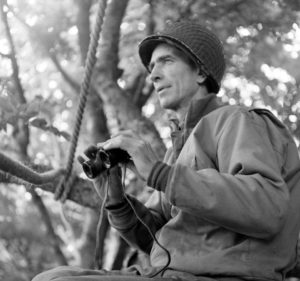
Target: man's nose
{"x":155,"y":74}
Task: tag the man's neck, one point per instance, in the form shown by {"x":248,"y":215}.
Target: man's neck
{"x":182,"y":111}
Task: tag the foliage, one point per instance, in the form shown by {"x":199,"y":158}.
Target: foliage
{"x":23,"y":251}
{"x":262,"y":46}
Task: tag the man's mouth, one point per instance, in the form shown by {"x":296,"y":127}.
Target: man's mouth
{"x":161,"y":88}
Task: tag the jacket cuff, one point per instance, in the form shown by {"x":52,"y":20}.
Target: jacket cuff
{"x":115,"y":206}
{"x":158,"y":177}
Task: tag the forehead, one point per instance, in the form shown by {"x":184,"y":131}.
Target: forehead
{"x":164,"y":49}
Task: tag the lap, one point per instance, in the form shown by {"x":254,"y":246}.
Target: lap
{"x":69,"y":273}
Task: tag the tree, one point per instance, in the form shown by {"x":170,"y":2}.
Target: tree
{"x":43,"y":54}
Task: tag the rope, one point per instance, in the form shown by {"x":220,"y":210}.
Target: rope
{"x":64,"y":186}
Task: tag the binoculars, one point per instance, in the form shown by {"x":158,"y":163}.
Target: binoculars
{"x":101,"y":160}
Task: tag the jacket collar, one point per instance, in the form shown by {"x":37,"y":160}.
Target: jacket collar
{"x":199,"y":108}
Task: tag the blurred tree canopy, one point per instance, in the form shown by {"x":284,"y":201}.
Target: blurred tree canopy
{"x":43,"y":52}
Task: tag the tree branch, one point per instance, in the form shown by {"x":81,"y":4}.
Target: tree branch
{"x":21,"y":134}
{"x":83,"y":25}
{"x":74,"y":85}
{"x":50,"y":230}
{"x":140,"y":93}
{"x":14,"y":63}
{"x":82,"y":192}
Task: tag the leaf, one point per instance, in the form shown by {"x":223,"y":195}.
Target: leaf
{"x":39,"y":123}
{"x":33,"y":107}
{"x":6,"y":105}
{"x":57,"y":132}
{"x":65,"y":135}
{"x":27,"y":111}
{"x":53,"y":130}
{"x":3,"y":126}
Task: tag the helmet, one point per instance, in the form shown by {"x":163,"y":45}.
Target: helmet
{"x":200,"y":43}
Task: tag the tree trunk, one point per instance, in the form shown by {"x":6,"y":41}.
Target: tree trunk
{"x":117,"y":103}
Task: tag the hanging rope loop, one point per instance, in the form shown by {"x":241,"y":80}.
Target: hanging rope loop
{"x":64,"y":186}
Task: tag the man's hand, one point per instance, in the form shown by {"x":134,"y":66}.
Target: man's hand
{"x":140,"y":151}
{"x":112,"y":177}
{"x":115,"y":188}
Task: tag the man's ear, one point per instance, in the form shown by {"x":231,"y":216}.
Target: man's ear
{"x":201,"y":78}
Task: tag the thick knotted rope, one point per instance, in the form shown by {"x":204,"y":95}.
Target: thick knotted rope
{"x":64,"y":187}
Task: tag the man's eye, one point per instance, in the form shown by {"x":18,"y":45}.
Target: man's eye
{"x":168,"y":60}
{"x":150,"y":68}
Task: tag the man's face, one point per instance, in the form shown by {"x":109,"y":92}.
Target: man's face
{"x":174,"y":80}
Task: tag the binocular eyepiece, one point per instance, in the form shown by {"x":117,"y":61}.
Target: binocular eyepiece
{"x":102,"y":160}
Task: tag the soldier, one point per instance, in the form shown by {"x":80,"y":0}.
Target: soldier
{"x":226,"y":196}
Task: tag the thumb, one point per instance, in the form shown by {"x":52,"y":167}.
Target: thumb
{"x":130,"y":165}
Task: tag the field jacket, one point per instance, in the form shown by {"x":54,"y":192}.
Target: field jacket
{"x":230,"y":201}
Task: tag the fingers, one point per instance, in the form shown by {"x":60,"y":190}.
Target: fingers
{"x":91,"y":151}
{"x":130,"y":165}
{"x":117,"y":140}
{"x":116,"y":171}
{"x":80,"y":159}
{"x":123,"y":133}
{"x":128,"y":133}
{"x":126,"y":140}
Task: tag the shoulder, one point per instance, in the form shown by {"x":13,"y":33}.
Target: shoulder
{"x":229,"y":111}
{"x":234,"y":118}
{"x":223,"y":116}
{"x":233,"y":114}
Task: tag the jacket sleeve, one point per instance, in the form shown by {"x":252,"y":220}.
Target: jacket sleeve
{"x":137,"y":223}
{"x":247,"y":193}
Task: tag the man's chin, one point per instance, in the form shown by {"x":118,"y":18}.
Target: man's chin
{"x":166,"y":105}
